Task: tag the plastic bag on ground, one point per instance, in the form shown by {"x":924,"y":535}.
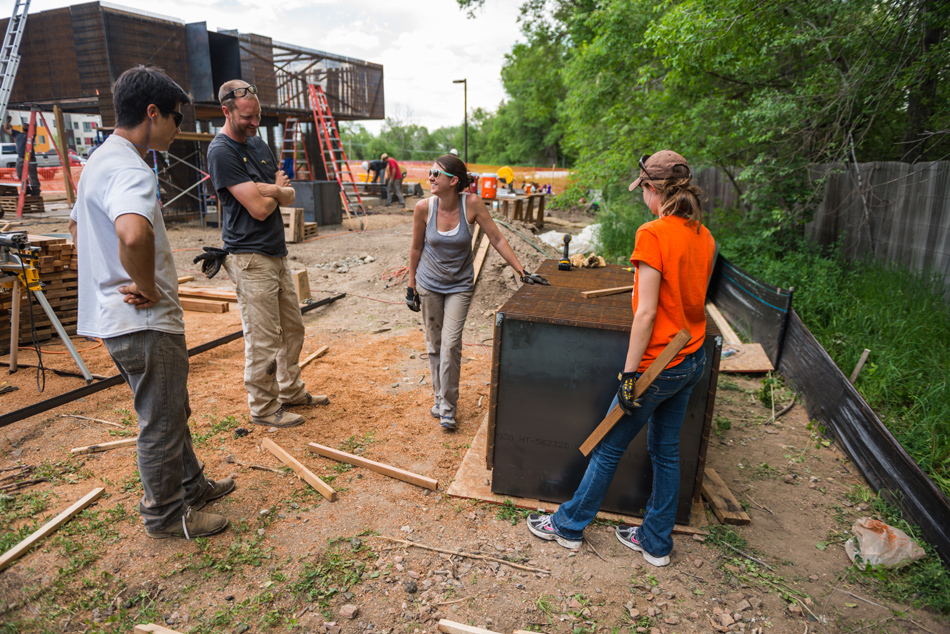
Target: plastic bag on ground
{"x":879,"y":544}
{"x":587,"y":240}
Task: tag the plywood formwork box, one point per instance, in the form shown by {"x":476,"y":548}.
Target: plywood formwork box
{"x":555,"y":361}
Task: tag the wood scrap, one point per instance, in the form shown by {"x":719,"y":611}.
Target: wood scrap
{"x":301,"y":284}
{"x":185,"y":278}
{"x":603,"y":292}
{"x":17,"y":551}
{"x":462,"y":553}
{"x":316,"y":355}
{"x":451,"y":627}
{"x":649,"y":375}
{"x":204,"y":305}
{"x":106,"y":446}
{"x":480,"y":256}
{"x":857,"y":368}
{"x":220,"y":294}
{"x":721,"y":500}
{"x":151,"y":628}
{"x":728,"y":334}
{"x":302,"y":472}
{"x":14,"y":486}
{"x":372,"y":465}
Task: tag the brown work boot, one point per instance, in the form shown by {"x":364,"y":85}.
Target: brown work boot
{"x":307,"y":399}
{"x":216,"y":489}
{"x":193,"y":524}
{"x":280,"y":418}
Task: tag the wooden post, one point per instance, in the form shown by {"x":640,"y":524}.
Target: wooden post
{"x":61,"y":128}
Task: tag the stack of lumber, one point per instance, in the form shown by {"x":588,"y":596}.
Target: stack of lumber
{"x":58,"y":271}
{"x":206,"y":300}
{"x":295,"y":229}
{"x":9,"y":197}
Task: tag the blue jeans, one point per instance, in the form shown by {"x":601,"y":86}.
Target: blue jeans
{"x":663,"y":406}
{"x":155,"y":365}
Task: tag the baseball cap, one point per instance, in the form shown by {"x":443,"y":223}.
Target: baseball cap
{"x":660,"y":166}
{"x":384,"y":157}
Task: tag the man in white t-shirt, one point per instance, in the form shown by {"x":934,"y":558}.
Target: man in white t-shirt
{"x":128,"y":297}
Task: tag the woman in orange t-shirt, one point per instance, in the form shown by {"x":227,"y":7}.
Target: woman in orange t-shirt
{"x":673,"y":256}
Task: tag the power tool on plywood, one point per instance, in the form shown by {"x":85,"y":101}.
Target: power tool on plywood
{"x":564,"y":264}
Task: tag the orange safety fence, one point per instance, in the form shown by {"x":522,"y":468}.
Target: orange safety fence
{"x":51,"y":178}
{"x":418,"y":172}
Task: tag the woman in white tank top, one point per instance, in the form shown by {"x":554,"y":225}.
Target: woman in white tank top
{"x":441,"y":273}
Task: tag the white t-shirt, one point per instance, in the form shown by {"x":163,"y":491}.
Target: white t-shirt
{"x":114,"y":182}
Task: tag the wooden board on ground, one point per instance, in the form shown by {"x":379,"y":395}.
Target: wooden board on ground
{"x":17,"y":551}
{"x":151,"y":628}
{"x":105,"y":446}
{"x":451,"y":627}
{"x":751,"y":358}
{"x":204,"y":305}
{"x":322,"y":487}
{"x":316,"y":355}
{"x":480,"y":256}
{"x":185,"y":278}
{"x":220,"y":294}
{"x":721,"y":500}
{"x":471,"y":480}
{"x":607,"y":291}
{"x":301,"y":284}
{"x":372,"y":465}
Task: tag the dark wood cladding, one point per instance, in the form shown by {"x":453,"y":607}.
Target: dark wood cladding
{"x":92,"y":54}
{"x":257,"y":67}
{"x":48,"y":65}
{"x":135,"y":39}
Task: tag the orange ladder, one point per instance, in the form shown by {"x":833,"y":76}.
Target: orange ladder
{"x":288,"y":149}
{"x":334,"y":156}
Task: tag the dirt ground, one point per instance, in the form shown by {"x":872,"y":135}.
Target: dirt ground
{"x":292,"y":561}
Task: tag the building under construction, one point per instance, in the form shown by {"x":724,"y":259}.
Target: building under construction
{"x":72,"y":56}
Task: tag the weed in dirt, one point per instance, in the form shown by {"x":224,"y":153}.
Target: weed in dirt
{"x":69,"y":471}
{"x":547,"y":605}
{"x":355,"y":444}
{"x":226,"y":424}
{"x":723,"y":424}
{"x":245,"y":548}
{"x":510,"y":513}
{"x":763,"y":471}
{"x":25,"y":506}
{"x":727,"y":384}
{"x":333,"y":571}
{"x":772,"y":385}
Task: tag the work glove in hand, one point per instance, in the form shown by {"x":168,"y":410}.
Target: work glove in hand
{"x":211,"y":260}
{"x":412,"y":299}
{"x":628,"y":383}
{"x":533,"y":278}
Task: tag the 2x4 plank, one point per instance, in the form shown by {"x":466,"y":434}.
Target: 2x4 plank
{"x":721,"y":500}
{"x":372,"y":465}
{"x":302,"y":472}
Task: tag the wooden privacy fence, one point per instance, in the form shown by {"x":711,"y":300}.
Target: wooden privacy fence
{"x":895,"y":212}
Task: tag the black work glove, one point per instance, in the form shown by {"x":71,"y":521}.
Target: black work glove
{"x":211,"y":261}
{"x":412,"y":299}
{"x":533,"y":278}
{"x":628,"y":382}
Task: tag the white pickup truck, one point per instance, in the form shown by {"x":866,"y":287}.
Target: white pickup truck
{"x":43,"y":159}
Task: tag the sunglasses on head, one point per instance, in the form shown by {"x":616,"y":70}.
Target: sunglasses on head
{"x":435,"y":174}
{"x":237,"y":93}
{"x":175,"y":114}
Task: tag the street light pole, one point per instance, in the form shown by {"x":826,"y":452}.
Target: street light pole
{"x":465,"y":85}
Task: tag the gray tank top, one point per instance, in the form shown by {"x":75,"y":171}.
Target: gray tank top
{"x":446,"y":262}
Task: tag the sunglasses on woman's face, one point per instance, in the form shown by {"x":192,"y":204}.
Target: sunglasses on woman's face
{"x":435,"y":174}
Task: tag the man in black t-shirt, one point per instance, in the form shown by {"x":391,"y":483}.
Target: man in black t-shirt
{"x":251,"y":189}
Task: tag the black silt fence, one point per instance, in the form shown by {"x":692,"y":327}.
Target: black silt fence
{"x":763,"y":312}
{"x":754,"y":308}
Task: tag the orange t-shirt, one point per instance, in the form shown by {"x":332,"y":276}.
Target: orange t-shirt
{"x":684,"y":258}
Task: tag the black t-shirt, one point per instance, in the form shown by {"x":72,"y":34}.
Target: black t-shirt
{"x":377,"y":166}
{"x":232,"y":163}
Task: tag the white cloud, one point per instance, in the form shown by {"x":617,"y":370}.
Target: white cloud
{"x":423,"y":45}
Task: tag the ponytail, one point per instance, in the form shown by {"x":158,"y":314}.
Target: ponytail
{"x":681,"y":198}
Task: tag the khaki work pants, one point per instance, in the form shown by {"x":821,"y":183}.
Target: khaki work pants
{"x":273,"y":330}
{"x":444,"y":316}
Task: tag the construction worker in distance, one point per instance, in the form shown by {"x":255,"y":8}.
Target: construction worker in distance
{"x":393,"y":181}
{"x":378,"y":169}
{"x":252,"y":189}
{"x":128,"y":297}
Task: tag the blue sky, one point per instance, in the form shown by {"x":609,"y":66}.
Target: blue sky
{"x":423,"y":45}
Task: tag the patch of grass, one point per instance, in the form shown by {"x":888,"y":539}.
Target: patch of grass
{"x":510,"y":513}
{"x":723,"y":424}
{"x":332,"y":572}
{"x":68,"y":471}
{"x":727,"y":384}
{"x":547,"y":605}
{"x":226,"y":424}
{"x":725,"y":534}
{"x":355,"y":444}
